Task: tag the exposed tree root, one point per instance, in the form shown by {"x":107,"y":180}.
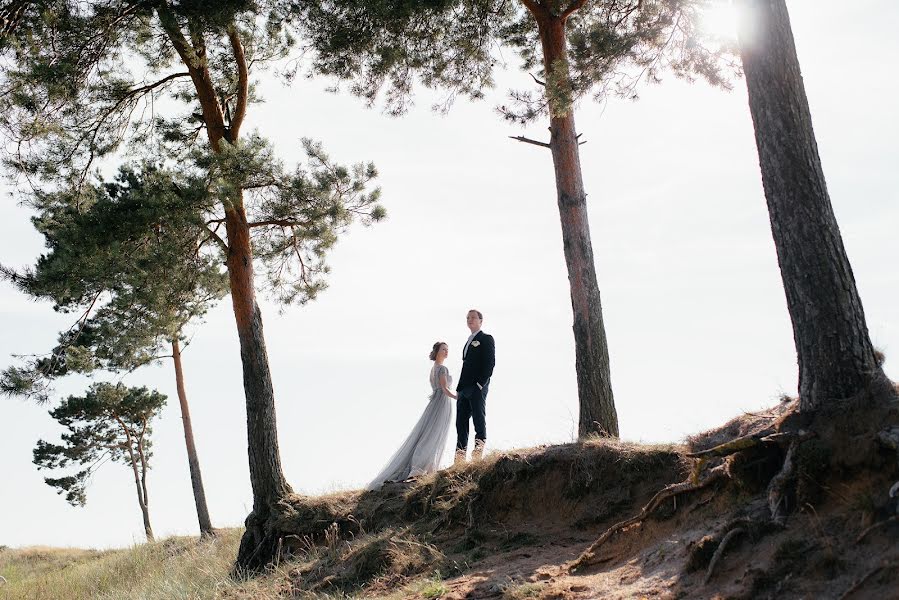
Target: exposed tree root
{"x":588,"y":557}
{"x":261,"y":545}
{"x":780,"y":484}
{"x":858,"y":584}
{"x":719,"y":552}
{"x":734,"y":446}
{"x":779,"y":489}
{"x":889,"y":437}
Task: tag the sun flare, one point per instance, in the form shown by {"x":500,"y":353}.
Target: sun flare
{"x":720,"y":20}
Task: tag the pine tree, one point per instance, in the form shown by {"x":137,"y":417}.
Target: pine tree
{"x":835,"y":354}
{"x":70,"y":94}
{"x":109,"y":423}
{"x":127,"y":255}
{"x":577,"y":47}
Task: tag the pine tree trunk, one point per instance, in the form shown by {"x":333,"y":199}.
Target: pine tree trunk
{"x":259,"y":542}
{"x":141,"y":499}
{"x":144,"y":509}
{"x":597,"y":404}
{"x":145,"y":496}
{"x":836,"y":358}
{"x":193,"y":462}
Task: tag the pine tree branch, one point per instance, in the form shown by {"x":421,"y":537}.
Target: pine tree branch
{"x":213,"y":235}
{"x":14,"y":277}
{"x":130,"y":446}
{"x":243,"y":78}
{"x":191,"y":56}
{"x":11,"y":15}
{"x":521,"y":138}
{"x":537,"y":9}
{"x":150,"y":87}
{"x":575,"y":6}
{"x":303,"y":269}
{"x":628,"y":13}
{"x":279,"y":222}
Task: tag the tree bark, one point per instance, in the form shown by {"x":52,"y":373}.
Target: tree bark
{"x":258,"y":545}
{"x":834,"y":351}
{"x":193,"y":462}
{"x":141,"y":499}
{"x":597,"y":403}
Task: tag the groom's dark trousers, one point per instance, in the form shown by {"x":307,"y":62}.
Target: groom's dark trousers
{"x":471,"y":404}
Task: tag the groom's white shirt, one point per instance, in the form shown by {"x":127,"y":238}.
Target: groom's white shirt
{"x":468,"y":343}
{"x":465,"y":352}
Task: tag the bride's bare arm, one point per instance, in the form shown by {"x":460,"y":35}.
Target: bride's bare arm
{"x":443,"y":385}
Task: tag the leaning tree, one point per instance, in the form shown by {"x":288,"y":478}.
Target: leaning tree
{"x":128,"y":257}
{"x":836,"y":357}
{"x":109,"y":423}
{"x":577,"y":47}
{"x":174,"y":78}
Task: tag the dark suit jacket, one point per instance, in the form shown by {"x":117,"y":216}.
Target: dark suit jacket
{"x":478,"y":362}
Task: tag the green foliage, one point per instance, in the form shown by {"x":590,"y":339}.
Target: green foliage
{"x":382,"y":44}
{"x":83,"y":77}
{"x":129,"y":256}
{"x":296,"y":216}
{"x":76,"y":87}
{"x":141,"y":258}
{"x":453,"y":45}
{"x":110,"y":422}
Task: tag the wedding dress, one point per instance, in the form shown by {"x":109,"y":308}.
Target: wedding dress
{"x":423,"y":449}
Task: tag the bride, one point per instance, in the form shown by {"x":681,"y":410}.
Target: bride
{"x":423,"y":449}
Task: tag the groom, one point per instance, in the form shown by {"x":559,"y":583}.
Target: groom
{"x":478,"y":359}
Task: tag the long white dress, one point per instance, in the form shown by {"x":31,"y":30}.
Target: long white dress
{"x":423,"y":449}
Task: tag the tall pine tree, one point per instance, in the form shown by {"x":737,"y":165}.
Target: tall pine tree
{"x":576,"y":47}
{"x":71,"y":92}
{"x":835,"y":354}
{"x":129,"y":256}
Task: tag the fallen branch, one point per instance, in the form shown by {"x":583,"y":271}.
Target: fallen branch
{"x":588,"y":557}
{"x":719,"y":551}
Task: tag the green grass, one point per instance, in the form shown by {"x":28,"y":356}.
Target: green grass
{"x":433,"y":589}
{"x":521,"y":591}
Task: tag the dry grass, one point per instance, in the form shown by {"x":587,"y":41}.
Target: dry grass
{"x":185,"y":568}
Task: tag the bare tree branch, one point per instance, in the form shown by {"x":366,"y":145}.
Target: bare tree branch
{"x":521,"y":138}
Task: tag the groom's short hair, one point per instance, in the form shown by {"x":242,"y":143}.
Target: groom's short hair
{"x":474,"y":310}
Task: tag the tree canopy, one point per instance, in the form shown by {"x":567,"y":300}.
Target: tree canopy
{"x":455,"y":45}
{"x":109,"y":422}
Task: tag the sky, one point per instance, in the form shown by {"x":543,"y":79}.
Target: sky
{"x":692,"y":298}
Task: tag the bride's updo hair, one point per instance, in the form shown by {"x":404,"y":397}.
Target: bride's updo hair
{"x":435,"y":350}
